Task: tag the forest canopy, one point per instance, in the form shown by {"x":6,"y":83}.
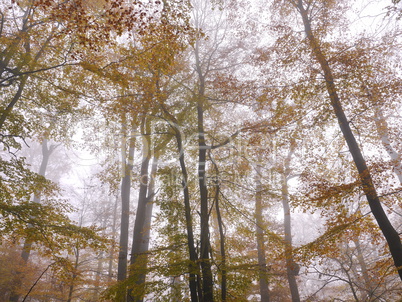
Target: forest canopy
{"x":201,"y":150}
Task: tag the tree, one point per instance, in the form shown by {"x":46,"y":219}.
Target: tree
{"x":292,"y":268}
{"x":315,"y":30}
{"x":262,"y":263}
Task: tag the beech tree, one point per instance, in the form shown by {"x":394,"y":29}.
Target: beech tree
{"x":237,"y":146}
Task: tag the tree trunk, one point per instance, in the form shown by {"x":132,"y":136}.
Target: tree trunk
{"x":194,"y":269}
{"x":111,"y":252}
{"x":292,"y":268}
{"x":139,"y":261}
{"x":207,"y":281}
{"x":259,"y":222}
{"x":74,"y":275}
{"x":137,"y":255}
{"x":223,"y":269}
{"x":127,"y":164}
{"x":194,"y":272}
{"x":389,"y":232}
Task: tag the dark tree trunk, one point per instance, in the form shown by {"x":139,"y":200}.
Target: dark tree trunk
{"x":74,"y":275}
{"x":194,"y":269}
{"x":125,"y":210}
{"x":140,"y":267}
{"x":207,"y":281}
{"x":223,"y":269}
{"x":194,"y":272}
{"x":389,"y":232}
{"x":137,"y":254}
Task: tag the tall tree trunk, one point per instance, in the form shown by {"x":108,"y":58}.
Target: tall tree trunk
{"x":139,"y":261}
{"x":114,"y":229}
{"x":389,"y":232}
{"x":101,"y":258}
{"x":222,"y":266}
{"x":127,"y":165}
{"x":292,"y":268}
{"x":137,"y":257}
{"x":259,"y":222}
{"x":207,"y":281}
{"x":194,"y":272}
{"x":194,"y":269}
{"x":205,"y":246}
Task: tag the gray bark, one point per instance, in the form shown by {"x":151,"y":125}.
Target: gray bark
{"x":259,"y":221}
{"x":137,"y":256}
{"x":127,"y":165}
{"x":292,"y":268}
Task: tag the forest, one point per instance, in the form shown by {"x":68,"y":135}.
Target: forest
{"x":200,"y":150}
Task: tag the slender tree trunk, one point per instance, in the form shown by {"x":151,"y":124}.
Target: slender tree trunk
{"x":207,"y":281}
{"x":98,"y":277}
{"x":114,"y":229}
{"x":194,"y":272}
{"x":137,"y":256}
{"x":259,"y":222}
{"x":292,"y":269}
{"x":101,"y":259}
{"x":196,"y":293}
{"x":194,"y":269}
{"x":222,"y":266}
{"x":389,"y":232}
{"x":291,"y":266}
{"x":205,"y":246}
{"x":127,"y":164}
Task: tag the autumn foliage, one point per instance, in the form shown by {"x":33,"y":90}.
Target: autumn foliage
{"x":200,"y":150}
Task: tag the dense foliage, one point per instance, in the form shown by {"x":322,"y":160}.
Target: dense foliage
{"x":244,"y":150}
